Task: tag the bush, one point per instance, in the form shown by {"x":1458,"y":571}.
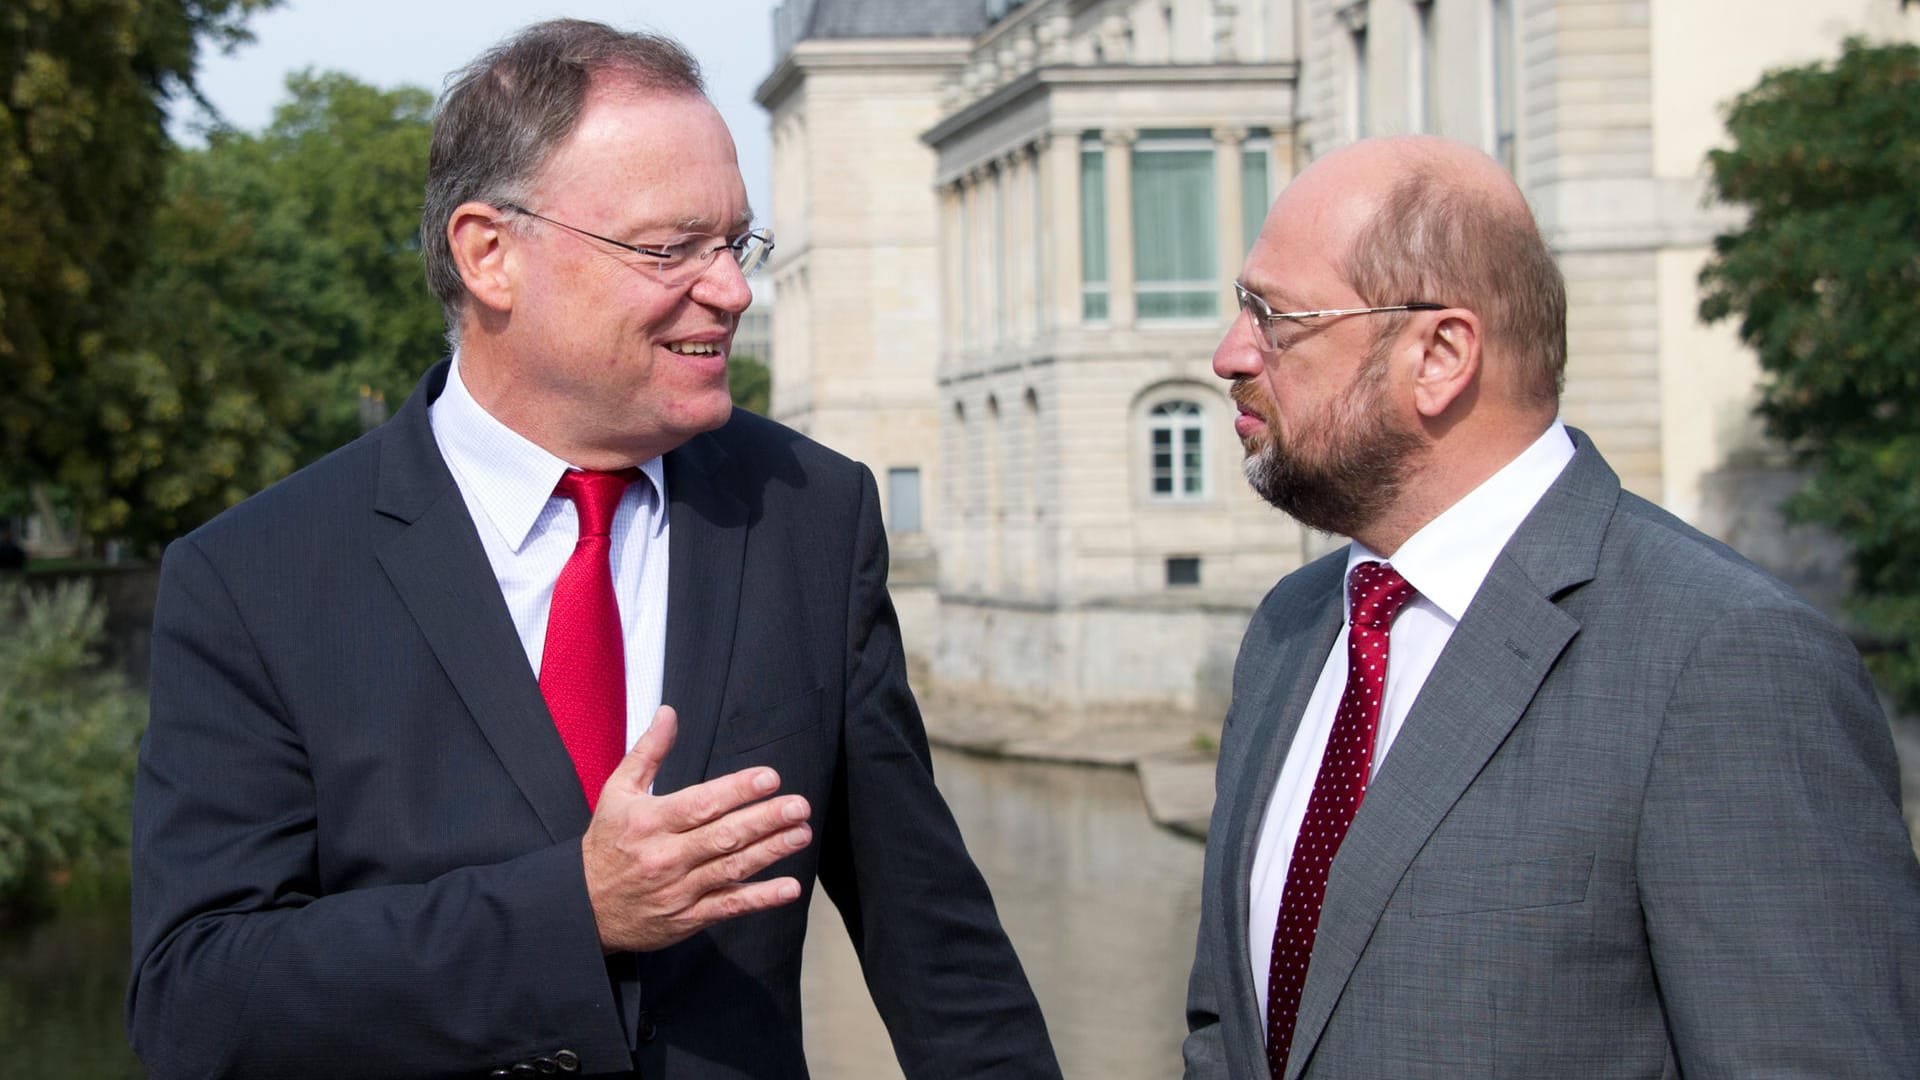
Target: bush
{"x":1821,"y":278}
{"x":69,"y":733}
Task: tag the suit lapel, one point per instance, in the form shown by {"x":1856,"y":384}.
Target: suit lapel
{"x":438,"y":567}
{"x":707,"y":541}
{"x":1272,"y":701}
{"x":1504,"y":648}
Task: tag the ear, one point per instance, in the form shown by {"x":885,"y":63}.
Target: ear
{"x":484,"y":253}
{"x":1449,"y":364}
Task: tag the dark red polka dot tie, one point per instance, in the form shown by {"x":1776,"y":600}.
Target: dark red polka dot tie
{"x":583,"y":666}
{"x":1376,"y":593}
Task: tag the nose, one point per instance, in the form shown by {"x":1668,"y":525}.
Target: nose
{"x":1238,"y":354}
{"x":722,"y":285}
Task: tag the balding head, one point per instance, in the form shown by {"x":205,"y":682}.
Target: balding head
{"x":1418,"y":218}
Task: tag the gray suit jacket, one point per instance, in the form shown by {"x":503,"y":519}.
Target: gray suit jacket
{"x":1642,"y":821}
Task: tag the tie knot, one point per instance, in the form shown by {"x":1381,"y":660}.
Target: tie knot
{"x":1376,"y":593}
{"x":595,"y":495}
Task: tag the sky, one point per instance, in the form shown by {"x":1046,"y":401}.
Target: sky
{"x":418,"y":42}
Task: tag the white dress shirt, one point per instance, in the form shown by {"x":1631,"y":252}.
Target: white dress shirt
{"x":529,"y":533}
{"x":1446,"y":561}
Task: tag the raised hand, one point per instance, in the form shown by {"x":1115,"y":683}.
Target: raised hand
{"x":662,"y":868}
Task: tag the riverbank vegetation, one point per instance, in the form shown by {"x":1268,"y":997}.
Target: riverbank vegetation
{"x":69,"y":731}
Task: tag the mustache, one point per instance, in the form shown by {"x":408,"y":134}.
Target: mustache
{"x":1246,"y":395}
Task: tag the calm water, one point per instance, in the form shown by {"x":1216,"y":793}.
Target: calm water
{"x":1101,"y":905}
{"x":1099,"y":902}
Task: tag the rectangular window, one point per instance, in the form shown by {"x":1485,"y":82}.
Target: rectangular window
{"x":903,"y":499}
{"x":1256,"y":196}
{"x":1093,"y":230}
{"x":1174,"y":259}
{"x":1422,"y":86}
{"x":1504,"y":85}
{"x":1183,"y":570}
{"x":1190,"y":457}
{"x":1162,"y":461}
{"x":1357,"y":69}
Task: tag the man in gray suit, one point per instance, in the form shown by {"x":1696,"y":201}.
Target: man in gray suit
{"x":1598,"y":798}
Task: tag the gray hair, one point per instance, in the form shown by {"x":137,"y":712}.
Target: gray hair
{"x":1430,"y":241}
{"x":503,"y":115}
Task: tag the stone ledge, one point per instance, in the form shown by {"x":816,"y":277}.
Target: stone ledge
{"x":1176,"y":778}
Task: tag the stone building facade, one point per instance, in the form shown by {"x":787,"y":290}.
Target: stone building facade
{"x":856,"y":329}
{"x":1604,"y":110}
{"x":1101,"y":170}
{"x":1006,"y":229}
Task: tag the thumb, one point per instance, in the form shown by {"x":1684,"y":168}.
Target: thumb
{"x":642,"y":763}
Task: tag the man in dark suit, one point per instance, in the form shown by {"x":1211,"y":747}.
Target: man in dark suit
{"x":387,"y":821}
{"x":1574,"y":791}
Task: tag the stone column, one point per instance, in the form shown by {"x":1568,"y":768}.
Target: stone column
{"x":989,"y":256}
{"x":1119,"y":164}
{"x":1030,"y":243}
{"x":1227,"y":148}
{"x":968,"y":268}
{"x":1060,"y":173}
{"x":1017,"y":238}
{"x":949,"y":198}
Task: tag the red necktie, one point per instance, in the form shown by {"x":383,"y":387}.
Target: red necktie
{"x":1376,"y":592}
{"x":583,"y":667}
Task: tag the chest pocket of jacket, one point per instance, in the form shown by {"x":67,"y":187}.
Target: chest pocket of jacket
{"x":749,"y":729}
{"x":1533,"y":883}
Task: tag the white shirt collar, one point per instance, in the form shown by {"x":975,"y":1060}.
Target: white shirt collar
{"x":1451,"y":555}
{"x":510,"y":476}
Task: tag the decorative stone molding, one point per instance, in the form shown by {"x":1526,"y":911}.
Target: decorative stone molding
{"x":1224,"y":18}
{"x":1353,"y":16}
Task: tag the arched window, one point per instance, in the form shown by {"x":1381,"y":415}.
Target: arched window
{"x":1176,"y":439}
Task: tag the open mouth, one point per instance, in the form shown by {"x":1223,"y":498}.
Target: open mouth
{"x":694,"y":348}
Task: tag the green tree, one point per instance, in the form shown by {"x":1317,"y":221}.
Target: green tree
{"x":749,"y":383}
{"x":285,"y":277}
{"x":69,"y":727}
{"x":1823,"y":278}
{"x":82,"y":150}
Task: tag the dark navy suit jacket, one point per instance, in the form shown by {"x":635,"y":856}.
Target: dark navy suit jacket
{"x":357,"y":833}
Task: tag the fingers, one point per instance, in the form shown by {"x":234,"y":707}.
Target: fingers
{"x":690,"y":808}
{"x":729,"y":902}
{"x":733,"y":901}
{"x":637,"y":770}
{"x":722,"y":878}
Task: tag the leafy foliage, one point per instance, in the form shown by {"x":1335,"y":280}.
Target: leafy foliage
{"x":1823,"y":278}
{"x":82,"y":151}
{"x":750,"y":383}
{"x":69,"y":729}
{"x":286,"y":277}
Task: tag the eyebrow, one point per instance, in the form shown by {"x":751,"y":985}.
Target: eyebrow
{"x":700,"y":224}
{"x":1276,"y":296}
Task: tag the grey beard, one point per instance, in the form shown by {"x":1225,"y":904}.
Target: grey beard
{"x":1353,"y":486}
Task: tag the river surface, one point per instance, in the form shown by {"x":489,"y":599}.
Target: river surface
{"x":1100,"y":903}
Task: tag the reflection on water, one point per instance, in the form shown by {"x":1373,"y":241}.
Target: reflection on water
{"x":1100,"y":903}
{"x":60,"y":986}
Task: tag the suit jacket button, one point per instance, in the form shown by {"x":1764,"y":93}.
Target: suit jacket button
{"x":567,"y":1060}
{"x":525,"y":1069}
{"x":498,"y":1074}
{"x":647,"y":1029}
{"x":546,"y":1065}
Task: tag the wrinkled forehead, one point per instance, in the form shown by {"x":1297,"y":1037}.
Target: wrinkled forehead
{"x":1298,"y":260}
{"x":667,"y":154}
